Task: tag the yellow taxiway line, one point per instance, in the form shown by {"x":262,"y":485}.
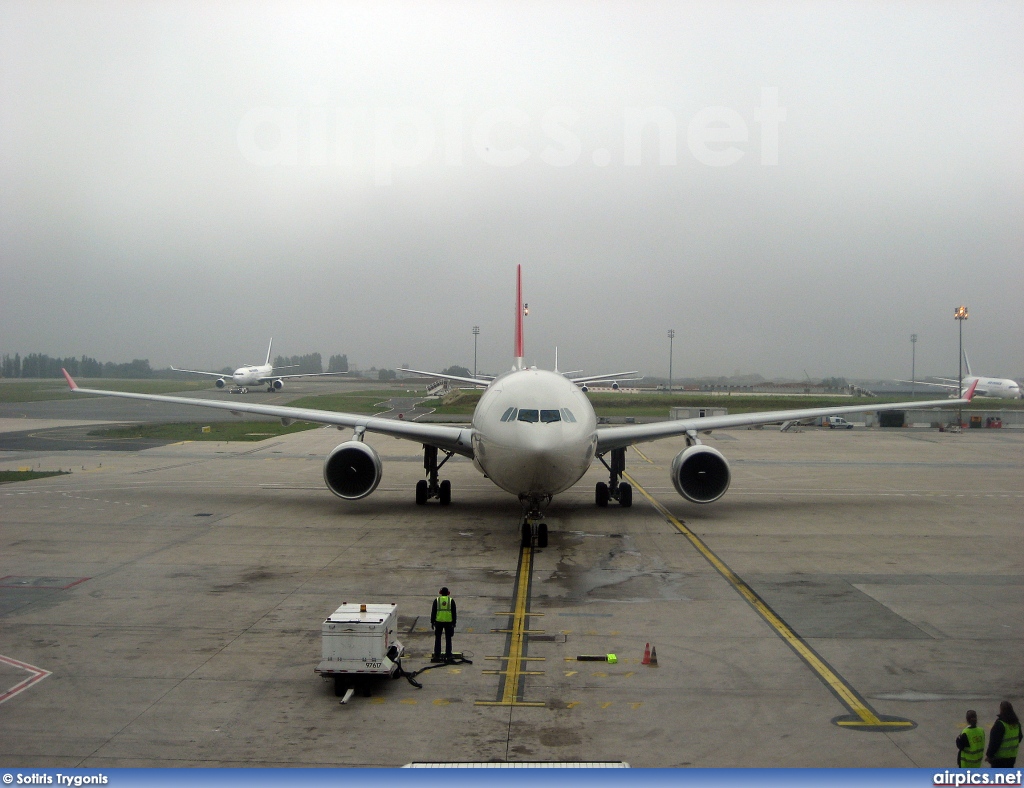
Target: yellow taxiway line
{"x":863,"y":716}
{"x":514,"y":669}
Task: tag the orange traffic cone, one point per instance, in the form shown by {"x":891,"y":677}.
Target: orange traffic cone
{"x":647,"y":655}
{"x":654,"y":658}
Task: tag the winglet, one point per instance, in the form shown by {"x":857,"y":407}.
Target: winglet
{"x":969,"y":395}
{"x":520,"y":364}
{"x":69,"y":379}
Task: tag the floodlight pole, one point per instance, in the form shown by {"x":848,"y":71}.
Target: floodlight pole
{"x":913,"y":360}
{"x":671,"y":337}
{"x":961,"y":315}
{"x":476,"y":333}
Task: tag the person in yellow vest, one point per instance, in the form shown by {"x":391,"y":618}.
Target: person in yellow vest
{"x":1004,"y":738}
{"x":970,"y":743}
{"x":443,"y":618}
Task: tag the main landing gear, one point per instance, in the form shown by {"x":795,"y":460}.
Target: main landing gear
{"x":614,"y":489}
{"x":534,"y":531}
{"x":430,"y":487}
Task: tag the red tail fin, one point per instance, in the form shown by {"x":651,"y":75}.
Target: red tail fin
{"x":519,"y":317}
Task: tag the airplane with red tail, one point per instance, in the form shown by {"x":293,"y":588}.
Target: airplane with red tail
{"x":533,"y":433}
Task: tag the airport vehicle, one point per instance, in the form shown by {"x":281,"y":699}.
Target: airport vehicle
{"x":998,"y":388}
{"x":255,"y":375}
{"x":837,"y":423}
{"x":357,"y":644}
{"x":534,"y":434}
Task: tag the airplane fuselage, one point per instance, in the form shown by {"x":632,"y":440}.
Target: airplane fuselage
{"x":534,"y":434}
{"x":251,"y":376}
{"x":1001,"y":388}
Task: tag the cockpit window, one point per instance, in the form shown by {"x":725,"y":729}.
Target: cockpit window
{"x":509,"y":414}
{"x":567,"y":415}
{"x":532,"y":416}
{"x":548,"y":416}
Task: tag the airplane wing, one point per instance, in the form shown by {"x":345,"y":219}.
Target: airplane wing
{"x":602,"y":378}
{"x":456,"y":439}
{"x":269,"y":378}
{"x":926,"y":383}
{"x":609,"y":438}
{"x":456,"y":378}
{"x":201,"y":372}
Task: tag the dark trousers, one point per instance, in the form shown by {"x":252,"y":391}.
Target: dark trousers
{"x":449,"y":630}
{"x":1003,"y":763}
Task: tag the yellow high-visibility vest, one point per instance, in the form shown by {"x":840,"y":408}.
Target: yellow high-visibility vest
{"x":444,"y":610}
{"x":1011,"y":741}
{"x":970,"y":756}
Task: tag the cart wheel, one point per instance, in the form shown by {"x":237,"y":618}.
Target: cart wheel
{"x":366,"y":690}
{"x":340,"y":685}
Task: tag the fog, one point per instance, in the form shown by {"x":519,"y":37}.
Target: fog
{"x":795,"y":188}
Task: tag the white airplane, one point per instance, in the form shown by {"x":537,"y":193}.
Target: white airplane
{"x":534,"y":434}
{"x":255,"y":375}
{"x":999,"y":388}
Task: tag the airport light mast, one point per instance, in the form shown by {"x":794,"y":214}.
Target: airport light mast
{"x":961,"y":315}
{"x":476,"y":333}
{"x":671,"y":336}
{"x":913,"y":360}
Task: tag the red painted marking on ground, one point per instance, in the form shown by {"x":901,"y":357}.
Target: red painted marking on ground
{"x":38,"y":674}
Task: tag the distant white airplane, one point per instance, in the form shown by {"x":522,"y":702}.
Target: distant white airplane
{"x":999,"y":388}
{"x":534,"y":434}
{"x":259,"y":375}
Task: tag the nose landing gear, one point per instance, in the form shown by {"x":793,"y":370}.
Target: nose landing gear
{"x":430,"y":487}
{"x":614,"y":489}
{"x":534,"y":531}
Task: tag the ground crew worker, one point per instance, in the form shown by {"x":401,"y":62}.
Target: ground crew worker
{"x":970,"y":743}
{"x":1004,"y":738}
{"x":443,"y":619}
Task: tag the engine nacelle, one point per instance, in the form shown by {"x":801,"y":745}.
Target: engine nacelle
{"x":701,"y":474}
{"x":352,"y":471}
{"x":615,"y":386}
{"x":278,"y":384}
{"x":221,"y":383}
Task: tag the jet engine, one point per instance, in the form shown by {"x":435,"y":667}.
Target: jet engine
{"x":352,"y":471}
{"x":278,"y":384}
{"x":701,"y":474}
{"x":221,"y":383}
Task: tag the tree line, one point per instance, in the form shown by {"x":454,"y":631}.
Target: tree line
{"x":311,"y":362}
{"x":40,"y":365}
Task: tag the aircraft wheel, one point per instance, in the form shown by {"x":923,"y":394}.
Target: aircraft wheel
{"x":444,"y":492}
{"x":421,"y":492}
{"x":625,"y":495}
{"x":601,"y":494}
{"x":542,"y":535}
{"x":527,"y":539}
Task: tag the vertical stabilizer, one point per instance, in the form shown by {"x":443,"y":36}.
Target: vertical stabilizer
{"x":271,"y":345}
{"x":519,"y":364}
{"x":967,"y":365}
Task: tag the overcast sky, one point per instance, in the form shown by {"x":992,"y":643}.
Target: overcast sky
{"x":791,"y":186}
